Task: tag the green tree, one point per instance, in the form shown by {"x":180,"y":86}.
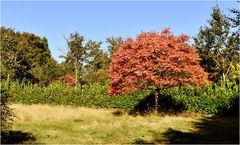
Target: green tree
{"x":38,"y":55}
{"x":236,"y":18}
{"x":114,"y":43}
{"x":25,"y":57}
{"x":48,"y":72}
{"x":217,"y":46}
{"x":13,"y":63}
{"x":79,"y":53}
{"x":96,"y":68}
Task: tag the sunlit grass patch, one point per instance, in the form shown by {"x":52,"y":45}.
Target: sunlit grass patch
{"x":78,"y":125}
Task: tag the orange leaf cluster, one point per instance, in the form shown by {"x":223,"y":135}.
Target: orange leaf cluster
{"x":69,"y":80}
{"x":158,"y":59}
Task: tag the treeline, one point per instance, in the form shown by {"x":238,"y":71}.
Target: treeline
{"x":26,"y":57}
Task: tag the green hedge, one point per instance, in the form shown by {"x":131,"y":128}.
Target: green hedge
{"x":212,"y":99}
{"x":59,"y":94}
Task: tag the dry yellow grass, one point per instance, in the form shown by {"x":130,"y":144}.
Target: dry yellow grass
{"x":79,"y":125}
{"x":55,"y":113}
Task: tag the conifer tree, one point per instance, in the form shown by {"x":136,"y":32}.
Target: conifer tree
{"x":217,"y":46}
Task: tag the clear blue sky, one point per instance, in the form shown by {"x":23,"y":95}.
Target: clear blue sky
{"x":98,"y":20}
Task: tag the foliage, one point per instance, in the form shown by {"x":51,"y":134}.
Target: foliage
{"x":48,"y":72}
{"x":68,"y":79}
{"x":218,"y":47}
{"x":94,"y":95}
{"x":79,"y":53}
{"x":155,"y":59}
{"x":96,"y":68}
{"x":6,"y":112}
{"x":114,"y":44}
{"x":211,"y":99}
{"x":26,"y":57}
{"x":13,"y":65}
{"x":236,"y":18}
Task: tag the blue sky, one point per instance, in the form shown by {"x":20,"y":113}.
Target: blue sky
{"x":100,"y":19}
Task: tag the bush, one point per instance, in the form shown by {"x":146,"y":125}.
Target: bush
{"x":94,"y":95}
{"x":6,"y":112}
{"x":212,"y":99}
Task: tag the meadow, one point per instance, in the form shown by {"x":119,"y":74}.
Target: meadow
{"x":57,"y":124}
{"x":59,"y":114}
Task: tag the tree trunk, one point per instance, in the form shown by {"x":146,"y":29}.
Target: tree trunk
{"x":224,"y":80}
{"x":76,"y":74}
{"x":156,"y":101}
{"x":8,"y":78}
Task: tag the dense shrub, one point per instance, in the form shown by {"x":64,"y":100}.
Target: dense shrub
{"x":6,"y":112}
{"x":94,"y":95}
{"x":212,"y":99}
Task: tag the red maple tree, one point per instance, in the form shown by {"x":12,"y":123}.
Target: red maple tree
{"x":155,"y":59}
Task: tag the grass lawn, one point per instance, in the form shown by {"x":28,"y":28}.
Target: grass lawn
{"x":77,"y":125}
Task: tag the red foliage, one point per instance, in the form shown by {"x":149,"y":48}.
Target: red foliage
{"x":69,"y":80}
{"x":158,"y":59}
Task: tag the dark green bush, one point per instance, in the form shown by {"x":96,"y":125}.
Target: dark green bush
{"x":211,"y":99}
{"x":6,"y":112}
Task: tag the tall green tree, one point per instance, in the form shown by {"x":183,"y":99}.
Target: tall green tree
{"x":13,"y":63}
{"x":113,"y":44}
{"x":96,"y":68}
{"x":48,"y":72}
{"x":234,"y":41}
{"x":26,"y":57}
{"x":235,"y":19}
{"x":217,"y":46}
{"x":79,"y":53}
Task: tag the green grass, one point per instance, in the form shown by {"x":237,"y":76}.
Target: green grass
{"x":77,"y":125}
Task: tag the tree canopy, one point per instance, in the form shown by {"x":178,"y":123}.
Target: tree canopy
{"x":218,"y":46}
{"x":26,"y":57}
{"x":155,"y":59}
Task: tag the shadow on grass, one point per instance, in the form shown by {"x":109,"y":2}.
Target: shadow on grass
{"x":220,"y":129}
{"x":166,"y":104}
{"x":217,"y":130}
{"x":141,"y":141}
{"x":233,"y":110}
{"x":117,"y":113}
{"x":16,"y":137}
